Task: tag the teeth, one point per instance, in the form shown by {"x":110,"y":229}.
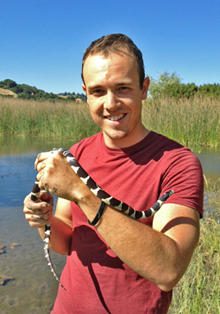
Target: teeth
{"x":115,"y":118}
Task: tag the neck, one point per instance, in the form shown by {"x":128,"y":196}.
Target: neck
{"x":125,"y":141}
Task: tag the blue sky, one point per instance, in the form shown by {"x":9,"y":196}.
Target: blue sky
{"x":42,"y":41}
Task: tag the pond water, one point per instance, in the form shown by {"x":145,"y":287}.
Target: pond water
{"x":33,"y":288}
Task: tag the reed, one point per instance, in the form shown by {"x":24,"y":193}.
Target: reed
{"x":193,"y":123}
{"x":45,"y":119}
{"x":198,"y":291}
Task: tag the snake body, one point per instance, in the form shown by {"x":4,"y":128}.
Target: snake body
{"x":102,"y":195}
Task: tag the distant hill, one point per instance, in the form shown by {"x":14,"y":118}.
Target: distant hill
{"x":7,"y":92}
{"x":10,"y":88}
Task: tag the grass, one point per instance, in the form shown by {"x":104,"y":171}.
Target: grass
{"x":198,"y":291}
{"x":45,"y":119}
{"x":193,"y":123}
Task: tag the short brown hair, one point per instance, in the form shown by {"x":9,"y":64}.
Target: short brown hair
{"x":115,"y":43}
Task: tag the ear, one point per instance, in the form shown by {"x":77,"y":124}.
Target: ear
{"x":145,"y":87}
{"x":84,"y":87}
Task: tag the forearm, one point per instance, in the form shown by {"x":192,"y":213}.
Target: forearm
{"x":152,"y":254}
{"x":60,"y":237}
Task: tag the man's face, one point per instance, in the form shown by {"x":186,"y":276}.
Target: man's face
{"x":114,"y":97}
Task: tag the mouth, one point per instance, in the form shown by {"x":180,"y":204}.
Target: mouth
{"x":116,"y":117}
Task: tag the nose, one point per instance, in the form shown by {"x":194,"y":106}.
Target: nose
{"x":111,"y":101}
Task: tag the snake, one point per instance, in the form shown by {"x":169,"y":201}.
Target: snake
{"x":101,"y":194}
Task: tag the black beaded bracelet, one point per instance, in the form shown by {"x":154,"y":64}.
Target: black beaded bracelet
{"x":98,"y":215}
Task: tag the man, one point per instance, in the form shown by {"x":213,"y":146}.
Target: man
{"x":120,"y":265}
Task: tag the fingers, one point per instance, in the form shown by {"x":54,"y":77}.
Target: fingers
{"x":56,"y":176}
{"x":46,"y":197}
{"x":45,"y":164}
{"x":38,"y":213}
{"x":42,"y":164}
{"x":44,"y":203}
{"x":42,"y":157}
{"x":38,"y":221}
{"x":40,"y":178}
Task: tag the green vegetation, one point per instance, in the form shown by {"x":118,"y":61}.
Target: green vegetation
{"x":25,"y":91}
{"x":192,"y":122}
{"x":198,"y":291}
{"x":169,"y":85}
{"x":65,"y":120}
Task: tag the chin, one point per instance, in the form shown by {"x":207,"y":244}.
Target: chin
{"x":116,"y":135}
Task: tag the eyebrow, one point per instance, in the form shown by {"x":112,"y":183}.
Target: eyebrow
{"x":94,"y":87}
{"x":100,"y":86}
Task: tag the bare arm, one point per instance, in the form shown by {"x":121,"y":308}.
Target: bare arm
{"x":161,"y":254}
{"x":61,"y":228}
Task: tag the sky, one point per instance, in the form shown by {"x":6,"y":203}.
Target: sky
{"x":42,"y":41}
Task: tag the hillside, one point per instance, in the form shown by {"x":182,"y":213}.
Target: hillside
{"x":10,"y":88}
{"x":7,"y":92}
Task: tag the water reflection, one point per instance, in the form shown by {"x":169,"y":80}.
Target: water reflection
{"x":28,"y":145}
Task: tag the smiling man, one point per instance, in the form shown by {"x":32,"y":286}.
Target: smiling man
{"x":120,"y":265}
{"x":114,"y":95}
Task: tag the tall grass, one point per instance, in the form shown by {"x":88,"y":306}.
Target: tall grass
{"x":45,"y":119}
{"x":198,"y":291}
{"x":191,"y":122}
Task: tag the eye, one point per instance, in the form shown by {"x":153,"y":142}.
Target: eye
{"x":97,"y":92}
{"x":123,"y":89}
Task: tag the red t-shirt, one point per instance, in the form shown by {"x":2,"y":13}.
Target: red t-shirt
{"x":96,"y":280}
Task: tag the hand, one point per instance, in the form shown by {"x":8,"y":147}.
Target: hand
{"x":56,"y":176}
{"x":38,"y":213}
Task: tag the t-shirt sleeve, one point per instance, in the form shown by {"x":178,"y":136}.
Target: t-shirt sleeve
{"x":184,"y":175}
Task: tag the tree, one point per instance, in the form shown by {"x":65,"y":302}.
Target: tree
{"x":165,"y":83}
{"x":9,"y":83}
